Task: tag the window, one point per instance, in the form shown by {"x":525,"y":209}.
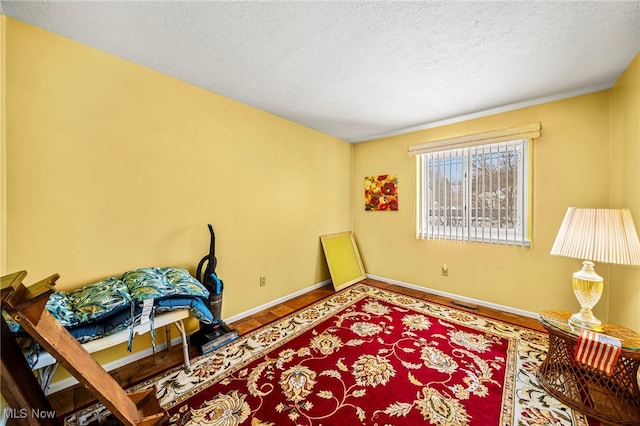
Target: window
{"x":475,"y":189}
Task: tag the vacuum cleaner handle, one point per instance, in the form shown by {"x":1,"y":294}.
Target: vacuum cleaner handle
{"x":210,"y":280}
{"x":211,"y":266}
{"x":212,"y":246}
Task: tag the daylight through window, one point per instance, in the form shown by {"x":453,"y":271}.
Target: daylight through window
{"x":476,"y":193}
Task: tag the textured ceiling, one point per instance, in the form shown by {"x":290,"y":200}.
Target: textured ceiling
{"x":361,"y":70}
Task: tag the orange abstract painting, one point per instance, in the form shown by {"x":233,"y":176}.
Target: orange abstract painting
{"x":381,"y":192}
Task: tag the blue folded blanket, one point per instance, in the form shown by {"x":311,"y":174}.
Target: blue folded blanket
{"x":112,"y":305}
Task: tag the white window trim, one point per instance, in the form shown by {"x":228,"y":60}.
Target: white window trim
{"x":525,"y":133}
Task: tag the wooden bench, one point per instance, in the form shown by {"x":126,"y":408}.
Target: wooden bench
{"x":46,"y":365}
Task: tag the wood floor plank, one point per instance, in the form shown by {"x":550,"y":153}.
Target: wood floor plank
{"x":75,"y":397}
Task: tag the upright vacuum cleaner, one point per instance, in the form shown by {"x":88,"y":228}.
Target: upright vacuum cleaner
{"x":212,"y":336}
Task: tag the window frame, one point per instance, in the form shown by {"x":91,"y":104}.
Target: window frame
{"x":464,"y":228}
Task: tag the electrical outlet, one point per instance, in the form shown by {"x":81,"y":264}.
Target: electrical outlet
{"x":263,"y":281}
{"x":445,"y":270}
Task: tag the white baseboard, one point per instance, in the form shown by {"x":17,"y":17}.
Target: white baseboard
{"x":268,"y":305}
{"x":457,"y":297}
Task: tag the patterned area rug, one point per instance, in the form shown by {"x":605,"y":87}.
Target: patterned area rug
{"x":365,"y":356}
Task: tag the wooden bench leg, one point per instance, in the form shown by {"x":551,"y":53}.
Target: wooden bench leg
{"x":167,"y":330}
{"x":185,"y":345}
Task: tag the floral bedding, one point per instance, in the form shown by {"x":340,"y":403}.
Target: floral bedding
{"x":114,"y":304}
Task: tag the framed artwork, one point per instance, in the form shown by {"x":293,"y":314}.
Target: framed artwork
{"x":343,"y":259}
{"x":381,"y":192}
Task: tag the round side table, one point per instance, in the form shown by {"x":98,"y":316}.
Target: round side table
{"x":613,"y":399}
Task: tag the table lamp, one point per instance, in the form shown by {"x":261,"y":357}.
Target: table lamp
{"x":595,"y":235}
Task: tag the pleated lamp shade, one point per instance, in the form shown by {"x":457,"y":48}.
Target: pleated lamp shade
{"x":598,"y":235}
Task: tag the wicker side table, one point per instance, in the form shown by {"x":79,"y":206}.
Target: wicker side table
{"x":611,"y":399}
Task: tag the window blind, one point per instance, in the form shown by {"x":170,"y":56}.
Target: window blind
{"x":475,"y":194}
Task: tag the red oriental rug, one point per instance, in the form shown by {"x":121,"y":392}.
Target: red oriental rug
{"x":365,"y":356}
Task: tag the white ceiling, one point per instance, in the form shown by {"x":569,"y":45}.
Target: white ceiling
{"x":361,"y":70}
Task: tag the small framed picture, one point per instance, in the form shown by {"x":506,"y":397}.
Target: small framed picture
{"x":381,"y":192}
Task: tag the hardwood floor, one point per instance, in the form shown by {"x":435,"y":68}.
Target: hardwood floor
{"x":73,"y":398}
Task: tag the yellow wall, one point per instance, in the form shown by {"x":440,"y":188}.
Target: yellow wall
{"x":112,"y":166}
{"x":625,"y":188}
{"x":570,"y":168}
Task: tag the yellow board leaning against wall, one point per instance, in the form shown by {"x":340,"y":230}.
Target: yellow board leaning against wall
{"x":343,"y":259}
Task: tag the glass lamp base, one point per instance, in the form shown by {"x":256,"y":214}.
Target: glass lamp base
{"x":587,"y":321}
{"x":587,"y":286}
